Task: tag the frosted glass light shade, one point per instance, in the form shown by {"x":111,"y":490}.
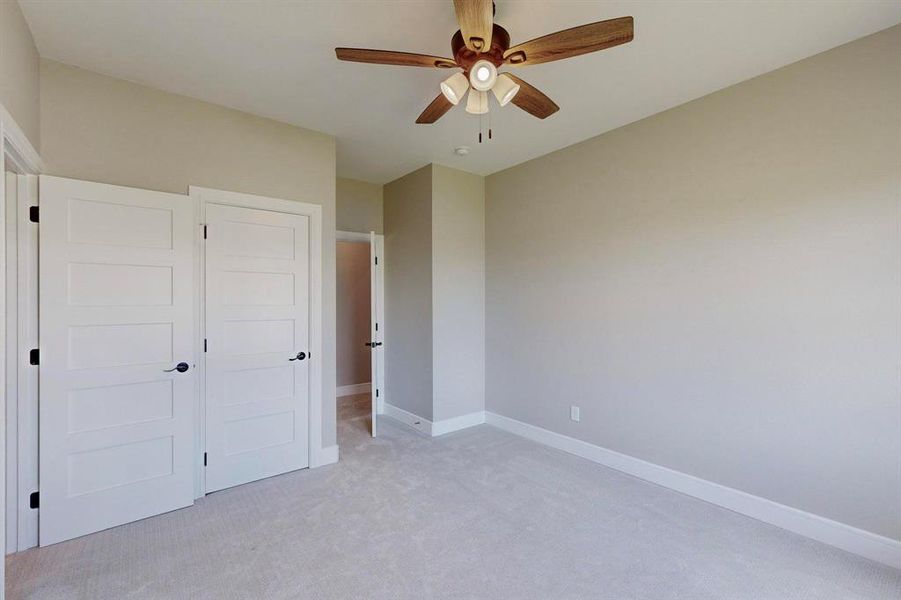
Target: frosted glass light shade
{"x":505,"y":89}
{"x":477,"y":103}
{"x":482,"y":75}
{"x":454,"y":88}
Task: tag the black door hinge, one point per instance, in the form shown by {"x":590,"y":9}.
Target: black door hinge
{"x":376,"y":260}
{"x":376,"y":326}
{"x":204,"y":459}
{"x":34,"y":357}
{"x":376,"y":392}
{"x":204,"y":232}
{"x":34,"y":500}
{"x":34,"y":214}
{"x":204,"y":344}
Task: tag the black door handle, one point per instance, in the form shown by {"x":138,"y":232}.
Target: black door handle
{"x":373,"y":344}
{"x":300,"y":356}
{"x":180,"y":367}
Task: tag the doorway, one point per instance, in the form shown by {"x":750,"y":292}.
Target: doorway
{"x":360,"y":321}
{"x":18,"y":377}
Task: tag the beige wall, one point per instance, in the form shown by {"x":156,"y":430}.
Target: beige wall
{"x":19,"y":71}
{"x":353,"y":313}
{"x":458,"y":290}
{"x":358,"y":206}
{"x":103,"y":129}
{"x":435,"y":292}
{"x":717,"y":287}
{"x":408,"y":292}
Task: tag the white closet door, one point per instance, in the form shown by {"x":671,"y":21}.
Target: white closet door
{"x":258,"y":344}
{"x":116,"y":316}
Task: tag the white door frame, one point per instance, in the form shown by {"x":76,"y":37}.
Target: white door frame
{"x":18,"y":522}
{"x":318,"y":455}
{"x":378,"y":379}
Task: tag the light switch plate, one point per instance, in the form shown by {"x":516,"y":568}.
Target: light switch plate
{"x":574,"y":413}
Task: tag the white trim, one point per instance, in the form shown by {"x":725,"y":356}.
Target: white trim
{"x":352,"y":236}
{"x":17,"y":150}
{"x":17,"y":146}
{"x":352,"y":390}
{"x":420,"y":424}
{"x":432,"y":429}
{"x":199,"y":335}
{"x":3,"y":390}
{"x":325,"y":456}
{"x":318,"y":455}
{"x":11,"y":364}
{"x":457,"y":423}
{"x":850,"y":539}
{"x":27,"y":384}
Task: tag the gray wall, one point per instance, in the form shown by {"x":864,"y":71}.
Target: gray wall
{"x":104,"y":129}
{"x":458,"y":290}
{"x":718,"y":286}
{"x":408,"y":292}
{"x":358,"y":206}
{"x":353,"y":313}
{"x":19,"y":71}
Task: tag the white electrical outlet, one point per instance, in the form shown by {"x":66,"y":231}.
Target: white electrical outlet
{"x":574,"y":413}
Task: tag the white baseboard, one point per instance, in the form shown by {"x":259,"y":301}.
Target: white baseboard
{"x":864,"y":543}
{"x":325,"y":456}
{"x":351,"y":390}
{"x":430,"y":428}
{"x":458,"y":423}
{"x":418,"y":423}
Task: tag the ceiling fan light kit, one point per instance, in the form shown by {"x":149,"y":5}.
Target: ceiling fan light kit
{"x":482,"y":75}
{"x":505,"y":89}
{"x":481,"y":46}
{"x":477,"y":103}
{"x":455,"y":87}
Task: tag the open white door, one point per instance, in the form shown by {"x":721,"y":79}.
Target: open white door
{"x":258,"y":284}
{"x":374,"y":332}
{"x":377,"y":324}
{"x":116,"y":356}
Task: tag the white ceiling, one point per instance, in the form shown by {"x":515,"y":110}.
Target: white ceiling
{"x":276,"y":59}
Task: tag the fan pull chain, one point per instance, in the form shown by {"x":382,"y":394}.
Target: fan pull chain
{"x":480,"y":128}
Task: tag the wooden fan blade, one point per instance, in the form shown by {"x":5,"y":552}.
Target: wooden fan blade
{"x":572,"y":42}
{"x":389,"y":57}
{"x":532,"y":100}
{"x":476,"y":18}
{"x":435,"y":110}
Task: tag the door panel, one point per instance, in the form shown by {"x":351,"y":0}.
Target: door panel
{"x":257,"y":320}
{"x":377,"y":318}
{"x":374,"y":348}
{"x":116,"y":311}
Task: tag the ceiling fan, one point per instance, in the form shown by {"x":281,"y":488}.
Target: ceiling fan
{"x":481,"y":46}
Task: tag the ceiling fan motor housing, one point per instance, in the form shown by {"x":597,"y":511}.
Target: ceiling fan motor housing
{"x":466,"y":58}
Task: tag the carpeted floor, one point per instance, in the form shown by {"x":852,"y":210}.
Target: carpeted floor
{"x":476,"y":514}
